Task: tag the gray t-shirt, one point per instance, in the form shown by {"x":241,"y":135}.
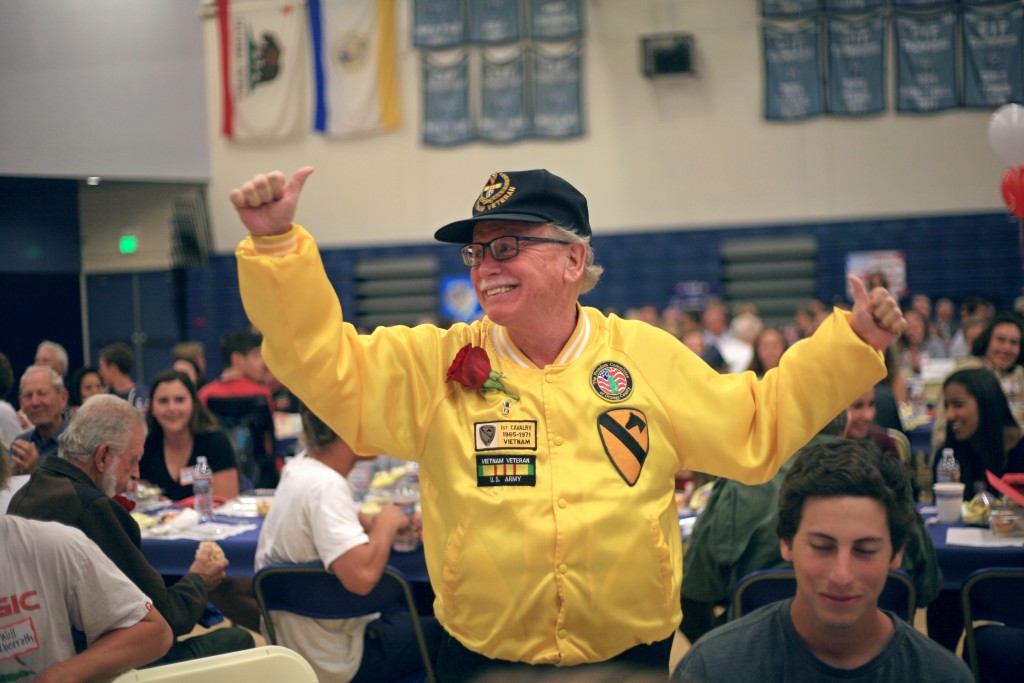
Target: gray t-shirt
{"x":764,"y":646}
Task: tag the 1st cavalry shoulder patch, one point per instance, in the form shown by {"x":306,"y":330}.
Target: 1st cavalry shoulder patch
{"x":625,"y":438}
{"x":611,"y":382}
{"x":506,"y":470}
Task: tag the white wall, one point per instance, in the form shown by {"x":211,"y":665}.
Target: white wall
{"x":102,"y":87}
{"x":657,"y":154}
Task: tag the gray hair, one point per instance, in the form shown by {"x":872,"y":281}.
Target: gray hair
{"x":591,"y":271}
{"x":62,"y":355}
{"x":103,"y":419}
{"x":55,"y":379}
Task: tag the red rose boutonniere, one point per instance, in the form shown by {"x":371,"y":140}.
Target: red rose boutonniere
{"x":125,"y":502}
{"x":472,"y":368}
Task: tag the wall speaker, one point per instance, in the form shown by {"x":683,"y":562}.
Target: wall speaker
{"x":667,"y":54}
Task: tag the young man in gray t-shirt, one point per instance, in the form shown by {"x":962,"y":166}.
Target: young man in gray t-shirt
{"x":844,"y":517}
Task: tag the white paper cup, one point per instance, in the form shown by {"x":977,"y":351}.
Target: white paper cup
{"x":949,"y":497}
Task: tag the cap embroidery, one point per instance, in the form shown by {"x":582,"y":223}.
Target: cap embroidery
{"x":496,"y":192}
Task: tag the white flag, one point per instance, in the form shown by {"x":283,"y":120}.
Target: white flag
{"x":263,"y":62}
{"x":354,"y":66}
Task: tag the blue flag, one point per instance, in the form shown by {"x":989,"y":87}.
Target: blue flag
{"x":781,"y":9}
{"x":557,"y":81}
{"x":446,"y":118}
{"x":793,"y":83}
{"x":926,"y":53}
{"x":503,"y":114}
{"x":494,"y":21}
{"x":992,"y":57}
{"x":556,"y":19}
{"x":856,"y":60}
{"x":853,"y":6}
{"x":439,"y":24}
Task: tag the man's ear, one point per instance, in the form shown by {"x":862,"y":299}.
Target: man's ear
{"x":103,"y":458}
{"x":786,"y":549}
{"x":576,"y":260}
{"x":897,"y":559}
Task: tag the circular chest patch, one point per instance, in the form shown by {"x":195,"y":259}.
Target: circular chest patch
{"x":612,"y":382}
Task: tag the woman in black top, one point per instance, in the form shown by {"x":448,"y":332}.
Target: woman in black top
{"x":180,"y":430}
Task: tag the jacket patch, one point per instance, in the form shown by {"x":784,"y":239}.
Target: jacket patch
{"x":505,"y":434}
{"x":611,"y":382}
{"x":506,"y":470}
{"x":625,"y":439}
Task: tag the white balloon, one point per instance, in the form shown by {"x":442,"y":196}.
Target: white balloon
{"x":1006,"y":133}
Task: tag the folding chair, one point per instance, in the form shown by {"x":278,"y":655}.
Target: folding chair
{"x":268,"y":663}
{"x":994,"y":650}
{"x":309,"y":590}
{"x":764,"y":586}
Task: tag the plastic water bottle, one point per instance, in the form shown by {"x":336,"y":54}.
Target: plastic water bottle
{"x":948,"y":469}
{"x":407,"y":495}
{"x":359,"y":479}
{"x":202,"y":490}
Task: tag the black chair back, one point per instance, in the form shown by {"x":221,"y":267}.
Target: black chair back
{"x":764,"y":586}
{"x":994,"y":650}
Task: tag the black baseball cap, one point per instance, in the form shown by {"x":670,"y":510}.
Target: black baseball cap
{"x":536,"y":196}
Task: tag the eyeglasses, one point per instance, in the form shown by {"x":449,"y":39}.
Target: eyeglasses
{"x":502,"y":248}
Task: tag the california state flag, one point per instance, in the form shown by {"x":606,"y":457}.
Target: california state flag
{"x":263,"y":64}
{"x":354,"y":66}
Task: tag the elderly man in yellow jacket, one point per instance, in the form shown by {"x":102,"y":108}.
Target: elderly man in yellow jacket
{"x":548,"y":435}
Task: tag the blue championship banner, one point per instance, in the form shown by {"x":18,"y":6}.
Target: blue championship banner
{"x":556,"y":19}
{"x":926,"y":62}
{"x":992,"y":57}
{"x":856,"y":66}
{"x":494,"y":21}
{"x":557,"y":84}
{"x":446,"y":119}
{"x":439,"y":24}
{"x":503,"y":113}
{"x":923,"y":4}
{"x":853,"y":6}
{"x":793,"y":82}
{"x":781,"y":9}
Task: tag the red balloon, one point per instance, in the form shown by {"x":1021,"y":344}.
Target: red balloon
{"x":1013,"y":190}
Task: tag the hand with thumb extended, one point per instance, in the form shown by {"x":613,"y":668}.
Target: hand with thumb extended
{"x":267,"y":203}
{"x":877,"y":318}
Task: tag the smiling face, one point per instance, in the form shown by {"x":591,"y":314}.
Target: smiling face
{"x":40,"y":401}
{"x":543,"y":279}
{"x":860,"y":415}
{"x":172,"y":406}
{"x":841,"y":555}
{"x":962,"y":412}
{"x":1004,"y":347}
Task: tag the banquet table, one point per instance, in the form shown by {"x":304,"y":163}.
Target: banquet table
{"x":173,"y":557}
{"x":958,"y":561}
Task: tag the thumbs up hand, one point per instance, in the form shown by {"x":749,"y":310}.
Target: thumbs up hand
{"x":877,"y":318}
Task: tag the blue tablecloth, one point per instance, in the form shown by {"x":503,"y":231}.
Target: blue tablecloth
{"x":173,"y":558}
{"x":958,"y":561}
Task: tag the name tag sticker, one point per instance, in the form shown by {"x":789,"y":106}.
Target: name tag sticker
{"x":506,"y":470}
{"x":187,"y":476}
{"x":18,"y":639}
{"x":505,"y":435}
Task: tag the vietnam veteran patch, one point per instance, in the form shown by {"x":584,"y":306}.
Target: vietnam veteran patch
{"x":505,"y":435}
{"x":506,"y":470}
